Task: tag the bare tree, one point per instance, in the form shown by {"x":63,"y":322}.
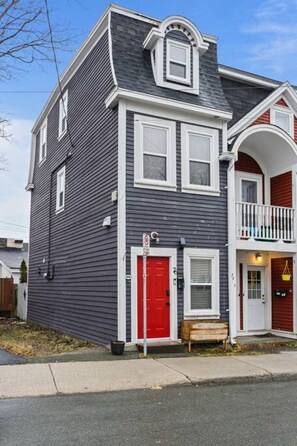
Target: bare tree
{"x":26,"y":38}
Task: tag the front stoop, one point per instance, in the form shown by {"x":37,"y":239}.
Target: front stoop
{"x":165,"y":347}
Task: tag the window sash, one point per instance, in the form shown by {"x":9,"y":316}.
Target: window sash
{"x":63,"y":113}
{"x":150,"y":153}
{"x":209,"y":286}
{"x":174,"y":60}
{"x":60,"y":198}
{"x":209,"y":180}
{"x":277,"y":113}
{"x":42,"y":142}
{"x":146,"y":155}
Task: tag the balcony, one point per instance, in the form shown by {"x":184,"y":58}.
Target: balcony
{"x":264,"y":223}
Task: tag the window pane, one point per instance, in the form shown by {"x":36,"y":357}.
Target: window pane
{"x":200,"y":297}
{"x":178,"y":70}
{"x":154,"y":167}
{"x":200,"y":271}
{"x":154,"y":139}
{"x":282,"y":120}
{"x":199,"y":147}
{"x":249,"y":191}
{"x":177,"y":53}
{"x":199,"y":173}
{"x":61,"y":199}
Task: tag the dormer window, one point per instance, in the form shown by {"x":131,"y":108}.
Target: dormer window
{"x":178,"y":67}
{"x":283,"y":117}
{"x":175,"y":47}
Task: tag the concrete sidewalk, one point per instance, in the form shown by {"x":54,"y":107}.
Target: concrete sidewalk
{"x":84,"y":377}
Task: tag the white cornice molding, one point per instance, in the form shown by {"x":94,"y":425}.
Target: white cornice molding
{"x":121,"y":93}
{"x":247,"y":77}
{"x":284,"y":91}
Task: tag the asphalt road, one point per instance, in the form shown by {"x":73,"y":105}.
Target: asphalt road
{"x":250,"y":414}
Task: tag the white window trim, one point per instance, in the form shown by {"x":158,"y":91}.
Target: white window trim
{"x":43,"y":126}
{"x":187,"y":47}
{"x":63,"y":104}
{"x":61,"y":173}
{"x":246,"y":176}
{"x":158,"y":70}
{"x":286,"y":111}
{"x":214,"y":256}
{"x":170,"y":126}
{"x":213,"y":189}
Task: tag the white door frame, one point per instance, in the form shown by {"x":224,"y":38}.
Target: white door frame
{"x":245,"y":292}
{"x":256,"y":177}
{"x":154,"y":252}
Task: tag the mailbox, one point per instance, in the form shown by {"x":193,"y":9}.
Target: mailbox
{"x":281,"y":293}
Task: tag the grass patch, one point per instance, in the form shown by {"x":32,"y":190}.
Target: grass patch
{"x":28,"y":339}
{"x":244,"y":349}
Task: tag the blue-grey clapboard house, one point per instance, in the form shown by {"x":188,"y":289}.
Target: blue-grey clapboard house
{"x":144,"y":138}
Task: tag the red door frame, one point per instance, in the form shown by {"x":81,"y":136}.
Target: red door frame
{"x":158,"y":297}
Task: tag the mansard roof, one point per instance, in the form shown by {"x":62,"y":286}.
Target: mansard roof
{"x":133,"y":69}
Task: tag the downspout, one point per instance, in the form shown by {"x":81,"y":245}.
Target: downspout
{"x":232,"y":253}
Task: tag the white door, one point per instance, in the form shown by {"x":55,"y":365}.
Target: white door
{"x":255,"y":298}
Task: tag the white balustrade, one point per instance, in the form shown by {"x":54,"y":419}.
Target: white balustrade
{"x":264,"y":222}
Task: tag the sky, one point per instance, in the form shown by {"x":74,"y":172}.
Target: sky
{"x":259,"y":36}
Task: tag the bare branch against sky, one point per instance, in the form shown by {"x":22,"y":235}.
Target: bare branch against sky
{"x":25,"y":36}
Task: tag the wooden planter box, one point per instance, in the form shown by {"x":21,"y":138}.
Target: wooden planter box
{"x":204,"y":331}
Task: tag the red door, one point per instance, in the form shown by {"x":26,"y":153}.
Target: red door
{"x":158,"y":297}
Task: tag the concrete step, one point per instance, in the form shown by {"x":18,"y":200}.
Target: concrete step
{"x":162,"y":347}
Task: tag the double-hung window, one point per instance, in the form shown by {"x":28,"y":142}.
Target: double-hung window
{"x":178,"y":66}
{"x":63,"y":113}
{"x":201,"y":296}
{"x":200,"y":160}
{"x":60,"y":198}
{"x":284,"y":118}
{"x":154,"y":152}
{"x":42,"y":141}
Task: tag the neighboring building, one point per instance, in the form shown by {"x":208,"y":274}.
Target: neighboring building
{"x":12,"y":253}
{"x":145,"y":139}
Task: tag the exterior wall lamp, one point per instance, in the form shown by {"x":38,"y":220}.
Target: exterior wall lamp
{"x":258,"y":257}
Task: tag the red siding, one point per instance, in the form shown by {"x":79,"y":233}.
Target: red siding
{"x":282,"y":307}
{"x":246,"y":163}
{"x":281,"y":190}
{"x":282,"y":102}
{"x":263,"y":119}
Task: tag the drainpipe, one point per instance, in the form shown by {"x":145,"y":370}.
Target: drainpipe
{"x":232,"y":253}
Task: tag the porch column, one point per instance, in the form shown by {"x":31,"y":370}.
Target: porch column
{"x":232,"y":253}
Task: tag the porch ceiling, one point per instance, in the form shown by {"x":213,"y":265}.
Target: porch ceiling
{"x":272,"y":152}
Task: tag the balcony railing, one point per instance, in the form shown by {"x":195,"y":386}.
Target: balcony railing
{"x":263,"y":222}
